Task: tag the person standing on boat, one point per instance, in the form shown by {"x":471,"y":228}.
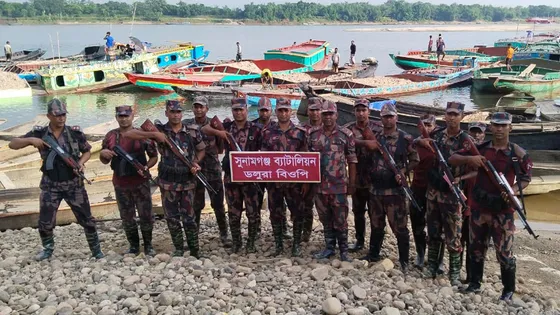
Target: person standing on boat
{"x":109,"y":46}
{"x":491,"y":215}
{"x":444,"y":212}
{"x":387,"y":199}
{"x":509,"y":56}
{"x":284,"y":136}
{"x":59,"y":181}
{"x":8,"y":51}
{"x":247,"y":135}
{"x":430,"y":45}
{"x":352,"y":53}
{"x":335,"y":60}
{"x":440,"y":46}
{"x":314,"y":105}
{"x":364,"y":148}
{"x":338,"y":174}
{"x":177,"y":181}
{"x":212,"y":169}
{"x":132,"y":189}
{"x":238,"y":55}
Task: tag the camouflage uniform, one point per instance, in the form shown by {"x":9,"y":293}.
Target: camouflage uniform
{"x":60,"y":183}
{"x":337,"y":150}
{"x":132,"y":191}
{"x":361,"y":198}
{"x":249,"y":139}
{"x":177,"y":183}
{"x":211,"y":168}
{"x":387,"y":198}
{"x":491,"y":216}
{"x":443,"y":213}
{"x":314,"y":103}
{"x":292,"y":140}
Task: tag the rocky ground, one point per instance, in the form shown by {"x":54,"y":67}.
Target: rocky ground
{"x":73,"y":283}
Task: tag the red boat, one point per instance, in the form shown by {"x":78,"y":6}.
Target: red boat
{"x":164,"y":83}
{"x":537,"y":20}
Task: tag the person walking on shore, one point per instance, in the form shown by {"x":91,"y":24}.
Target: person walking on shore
{"x":335,"y":60}
{"x":430,"y":45}
{"x":8,"y":51}
{"x":352,"y":53}
{"x":238,"y":55}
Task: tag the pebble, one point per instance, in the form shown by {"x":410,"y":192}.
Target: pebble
{"x":320,"y":273}
{"x":390,"y":311}
{"x":332,"y":306}
{"x":399,"y":304}
{"x":358,"y":292}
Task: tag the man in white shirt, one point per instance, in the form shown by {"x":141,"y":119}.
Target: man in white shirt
{"x":238,"y":56}
{"x":335,"y":60}
{"x":8,"y":51}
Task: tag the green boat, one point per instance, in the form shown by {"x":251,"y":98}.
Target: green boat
{"x":522,"y":78}
{"x":469,"y":57}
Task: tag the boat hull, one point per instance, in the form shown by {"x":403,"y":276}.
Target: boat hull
{"x":165,"y":84}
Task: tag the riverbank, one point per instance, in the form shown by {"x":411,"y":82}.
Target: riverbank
{"x":464,"y":27}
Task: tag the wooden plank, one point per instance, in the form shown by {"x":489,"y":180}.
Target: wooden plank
{"x":528,"y":70}
{"x":6,"y":182}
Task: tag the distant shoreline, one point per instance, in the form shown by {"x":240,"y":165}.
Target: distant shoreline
{"x":466,"y":27}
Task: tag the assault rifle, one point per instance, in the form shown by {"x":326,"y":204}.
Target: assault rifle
{"x":217,"y":124}
{"x":368,"y":135}
{"x":500,"y":181}
{"x":176,"y":149}
{"x":65,"y":156}
{"x":447,"y":175}
{"x":127,"y":158}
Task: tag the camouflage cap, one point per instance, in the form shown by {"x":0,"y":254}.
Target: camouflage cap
{"x":329,"y":107}
{"x":201,"y":100}
{"x":173,"y":105}
{"x":264,"y":103}
{"x":314,"y":103}
{"x":455,"y":107}
{"x":501,"y":118}
{"x":428,"y":119}
{"x":362,"y":102}
{"x":283,"y":103}
{"x":238,"y":102}
{"x":123,"y":110}
{"x":56,"y":107}
{"x":479,"y":125}
{"x":388,"y":109}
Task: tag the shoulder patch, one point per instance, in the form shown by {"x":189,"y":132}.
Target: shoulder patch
{"x":346,"y":131}
{"x":301,"y":128}
{"x":39,"y":128}
{"x":76,"y":128}
{"x":519,"y":151}
{"x":315,"y":129}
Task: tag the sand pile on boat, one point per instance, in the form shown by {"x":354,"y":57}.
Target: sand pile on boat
{"x":382,"y":81}
{"x":244,"y":65}
{"x":10,"y":81}
{"x":476,"y":117}
{"x":295,"y":77}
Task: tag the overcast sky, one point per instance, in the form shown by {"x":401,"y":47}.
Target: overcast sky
{"x":240,"y":3}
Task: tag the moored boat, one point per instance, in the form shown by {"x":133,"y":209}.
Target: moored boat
{"x":165,"y":83}
{"x":417,"y":59}
{"x":26,"y":54}
{"x":294,"y":95}
{"x":311,"y":53}
{"x":529,"y":79}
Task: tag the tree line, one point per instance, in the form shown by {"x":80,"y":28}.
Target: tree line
{"x":157,"y":10}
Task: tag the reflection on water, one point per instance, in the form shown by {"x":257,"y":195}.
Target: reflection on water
{"x":544,"y":208}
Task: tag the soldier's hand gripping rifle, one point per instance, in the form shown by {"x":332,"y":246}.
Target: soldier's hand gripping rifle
{"x":500,"y":181}
{"x":176,"y":149}
{"x":127,"y":158}
{"x":65,"y":156}
{"x":447,"y":175}
{"x":234,"y":146}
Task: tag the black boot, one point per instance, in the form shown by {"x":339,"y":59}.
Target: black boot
{"x":131,"y":232}
{"x":285,"y":231}
{"x":441,"y":257}
{"x":237,"y":240}
{"x":48,"y":247}
{"x":330,"y":243}
{"x":476,"y":272}
{"x":420,"y":241}
{"x":375,"y":244}
{"x":508,"y":280}
{"x":403,"y":243}
{"x":342,"y":237}
{"x":94,"y":246}
{"x":278,"y":238}
{"x":360,"y":225}
{"x":252,"y":236}
{"x":455,"y":268}
{"x":146,"y":230}
{"x":307,"y":229}
{"x":223,"y":227}
{"x":433,"y":259}
{"x":192,"y":241}
{"x":296,"y":244}
{"x":177,"y":239}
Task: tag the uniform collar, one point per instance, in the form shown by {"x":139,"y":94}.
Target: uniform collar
{"x":167,"y":127}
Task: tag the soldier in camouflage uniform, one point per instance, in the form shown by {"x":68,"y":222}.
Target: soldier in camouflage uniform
{"x":60,"y":181}
{"x":177,"y":181}
{"x":337,"y":148}
{"x":264,"y":108}
{"x":491,"y":215}
{"x":314,"y":105}
{"x":387,"y":198}
{"x":364,"y":148}
{"x":212,"y":169}
{"x":248,"y":136}
{"x":285,"y":137}
{"x":132,"y":189}
{"x":444,"y":213}
{"x":477,"y":130}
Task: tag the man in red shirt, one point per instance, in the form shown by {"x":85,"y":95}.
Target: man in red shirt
{"x":132,"y":190}
{"x":491,"y":215}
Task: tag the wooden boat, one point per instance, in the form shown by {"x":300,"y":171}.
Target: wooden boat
{"x":549,"y":110}
{"x":521,"y":42}
{"x":23,"y":55}
{"x":531,"y":136}
{"x":165,"y":83}
{"x":542,"y":185}
{"x":481,"y":55}
{"x":527,"y":79}
{"x":399,"y":84}
{"x":253,"y":97}
{"x":100,"y":75}
{"x":311,"y":53}
{"x":212,"y":93}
